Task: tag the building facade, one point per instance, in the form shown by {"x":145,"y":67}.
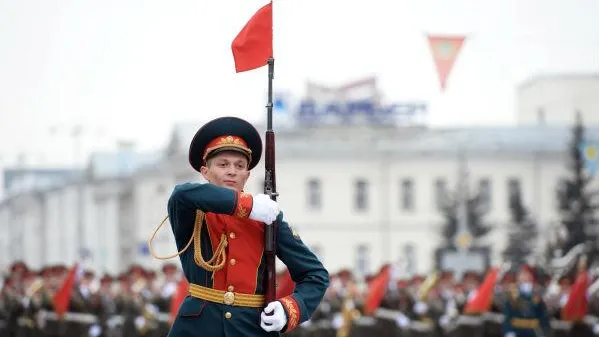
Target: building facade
{"x":554,"y":99}
{"x":359,"y":196}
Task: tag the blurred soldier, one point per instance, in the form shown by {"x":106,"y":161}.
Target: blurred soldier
{"x":51,"y":325}
{"x":126,"y":305}
{"x":471,"y":281}
{"x":18,"y":270}
{"x":163,"y":298}
{"x":525,"y":313}
{"x":101,"y":305}
{"x":225,"y":264}
{"x":11,"y":300}
{"x":30,"y":305}
{"x":81,"y":316}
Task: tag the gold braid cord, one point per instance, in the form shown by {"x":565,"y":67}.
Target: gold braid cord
{"x":219,"y":258}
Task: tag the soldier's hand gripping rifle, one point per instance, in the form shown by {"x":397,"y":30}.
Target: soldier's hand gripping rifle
{"x":270,"y":189}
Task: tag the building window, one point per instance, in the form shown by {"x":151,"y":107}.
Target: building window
{"x":409,"y":253}
{"x":513,"y":188}
{"x":314,"y":194}
{"x":441,"y":194}
{"x":362,"y":260}
{"x":407,"y":194}
{"x":361,"y":195}
{"x":541,"y":116}
{"x":484,"y":191}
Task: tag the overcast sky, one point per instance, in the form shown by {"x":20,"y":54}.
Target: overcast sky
{"x":129,"y":69}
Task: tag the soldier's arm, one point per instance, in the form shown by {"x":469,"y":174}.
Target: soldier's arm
{"x":543,"y":317}
{"x":507,"y":318}
{"x":306,"y":270}
{"x":189,"y":197}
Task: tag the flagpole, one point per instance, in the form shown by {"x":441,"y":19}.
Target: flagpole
{"x":269,"y":104}
{"x":270,"y":189}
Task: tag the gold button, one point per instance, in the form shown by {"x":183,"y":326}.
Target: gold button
{"x":231,"y":288}
{"x":229,"y":298}
{"x":228,"y":315}
{"x":232,"y":235}
{"x":233,"y":261}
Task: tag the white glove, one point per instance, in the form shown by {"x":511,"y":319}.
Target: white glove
{"x":402,"y":320}
{"x":95,"y":331}
{"x":420,"y":308}
{"x":510,"y":334}
{"x":264,"y":209}
{"x":444,"y":320}
{"x":276,"y":321}
{"x":337,"y":321}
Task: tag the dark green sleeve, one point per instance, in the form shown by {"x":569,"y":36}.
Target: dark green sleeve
{"x":543,"y":317}
{"x":189,"y":197}
{"x":507,"y":317}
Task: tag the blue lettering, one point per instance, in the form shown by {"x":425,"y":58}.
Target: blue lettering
{"x":333,"y":109}
{"x":307,"y":109}
{"x":360,"y":107}
{"x":310,"y":112}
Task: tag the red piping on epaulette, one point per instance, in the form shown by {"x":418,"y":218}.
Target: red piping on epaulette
{"x":293,"y":312}
{"x":243,"y":205}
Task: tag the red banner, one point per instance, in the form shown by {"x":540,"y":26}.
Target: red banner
{"x":482,"y":300}
{"x":445,"y":50}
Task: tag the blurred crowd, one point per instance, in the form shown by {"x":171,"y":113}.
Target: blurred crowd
{"x":139,"y":303}
{"x":135,"y":303}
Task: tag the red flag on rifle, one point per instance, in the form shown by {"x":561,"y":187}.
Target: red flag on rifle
{"x":253,"y":45}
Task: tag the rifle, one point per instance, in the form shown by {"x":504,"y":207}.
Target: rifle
{"x":270,"y":189}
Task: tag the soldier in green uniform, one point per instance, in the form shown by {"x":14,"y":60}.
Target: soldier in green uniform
{"x":11,"y":308}
{"x":525,"y":312}
{"x":51,"y":325}
{"x":225,"y":264}
{"x":163,"y":298}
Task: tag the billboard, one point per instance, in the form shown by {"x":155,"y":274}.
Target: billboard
{"x":356,"y":103}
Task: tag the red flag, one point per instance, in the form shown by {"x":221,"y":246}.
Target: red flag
{"x":253,"y":45}
{"x":482,"y":300}
{"x":577,"y":305}
{"x":445,"y":50}
{"x":376,"y":290}
{"x":178,"y":297}
{"x":62,"y":298}
{"x":285,"y":284}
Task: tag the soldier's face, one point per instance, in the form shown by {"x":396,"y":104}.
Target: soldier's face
{"x":525,"y":277}
{"x":227,"y":169}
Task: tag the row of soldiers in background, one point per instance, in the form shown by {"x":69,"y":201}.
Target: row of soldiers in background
{"x":436,"y":306}
{"x":135,"y":303}
{"x":138,"y":303}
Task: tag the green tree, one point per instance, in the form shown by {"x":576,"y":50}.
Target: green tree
{"x":522,"y":232}
{"x":476,"y":210}
{"x":577,"y":212}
